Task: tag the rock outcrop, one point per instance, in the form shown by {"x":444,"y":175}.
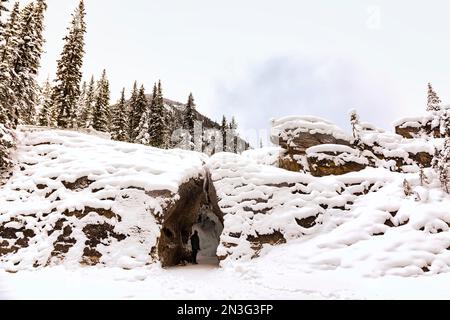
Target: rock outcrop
{"x":332,"y":159}
{"x":317,"y":146}
{"x":75,"y":198}
{"x":296,"y":134}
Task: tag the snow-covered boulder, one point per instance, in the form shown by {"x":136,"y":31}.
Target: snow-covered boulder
{"x":414,"y":127}
{"x":335,"y":159}
{"x":298,"y":133}
{"x":84,"y":199}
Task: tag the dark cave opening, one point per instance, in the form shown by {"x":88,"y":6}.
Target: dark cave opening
{"x":196,"y":209}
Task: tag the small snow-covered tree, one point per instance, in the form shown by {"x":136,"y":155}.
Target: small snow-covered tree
{"x":119,"y":120}
{"x":137,"y":106}
{"x":157,"y":125}
{"x":356,"y":128}
{"x":68,"y":75}
{"x":87,"y":106}
{"x":143,"y":136}
{"x":101,"y":118}
{"x":189,"y":115}
{"x":46,"y":108}
{"x":140,"y":106}
{"x":434,"y":103}
{"x":223,"y":130}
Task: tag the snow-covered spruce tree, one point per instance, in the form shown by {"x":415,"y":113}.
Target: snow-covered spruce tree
{"x":434,"y":103}
{"x":444,"y":123}
{"x":81,"y":104}
{"x":119,"y":120}
{"x":68,"y":75}
{"x":101,"y":117}
{"x":46,"y":106}
{"x":135,"y":112}
{"x":223,"y":130}
{"x":9,"y":51}
{"x":157,"y":127}
{"x":189,"y":115}
{"x":143,"y":136}
{"x":26,"y":63}
{"x":88,"y":103}
{"x":233,"y":135}
{"x":3,"y":10}
{"x":139,"y":107}
{"x":443,"y":165}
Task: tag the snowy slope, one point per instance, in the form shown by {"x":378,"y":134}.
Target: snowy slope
{"x":362,"y":221}
{"x":87,"y":199}
{"x":79,"y":198}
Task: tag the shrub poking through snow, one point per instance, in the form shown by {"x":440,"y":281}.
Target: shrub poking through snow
{"x":423,"y":177}
{"x":407,"y":188}
{"x":354,"y":121}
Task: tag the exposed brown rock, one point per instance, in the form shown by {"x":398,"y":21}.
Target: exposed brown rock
{"x":260,"y":239}
{"x":95,"y":233}
{"x":308,"y":222}
{"x":79,"y":184}
{"x":326,"y":167}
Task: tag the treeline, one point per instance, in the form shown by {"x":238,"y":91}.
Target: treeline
{"x":66,"y":102}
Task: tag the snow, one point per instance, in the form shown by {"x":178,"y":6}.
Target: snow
{"x":339,"y":154}
{"x":121,"y":178}
{"x":291,"y":126}
{"x":267,"y":155}
{"x":369,"y":239}
{"x":415,"y":122}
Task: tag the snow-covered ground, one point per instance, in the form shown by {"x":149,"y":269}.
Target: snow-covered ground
{"x":369,"y":239}
{"x":270,"y":277}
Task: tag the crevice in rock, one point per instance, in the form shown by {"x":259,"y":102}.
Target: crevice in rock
{"x":197,"y":200}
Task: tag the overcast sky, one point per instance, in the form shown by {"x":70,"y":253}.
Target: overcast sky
{"x":258,"y":59}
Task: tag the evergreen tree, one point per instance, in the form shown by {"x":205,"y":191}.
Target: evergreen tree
{"x":101,"y":109}
{"x":135,"y":113}
{"x":140,"y":107}
{"x":88,"y":104}
{"x":68,"y":75}
{"x":224,"y":130}
{"x":444,"y":123}
{"x":143,"y":136}
{"x":120,"y":120}
{"x":443,"y":165}
{"x":27,"y":62}
{"x":189,"y":115}
{"x":9,"y":51}
{"x":3,"y":9}
{"x":233,"y":136}
{"x":45,"y":114}
{"x":354,"y":122}
{"x":81,"y":104}
{"x":157,"y":126}
{"x":434,"y":103}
